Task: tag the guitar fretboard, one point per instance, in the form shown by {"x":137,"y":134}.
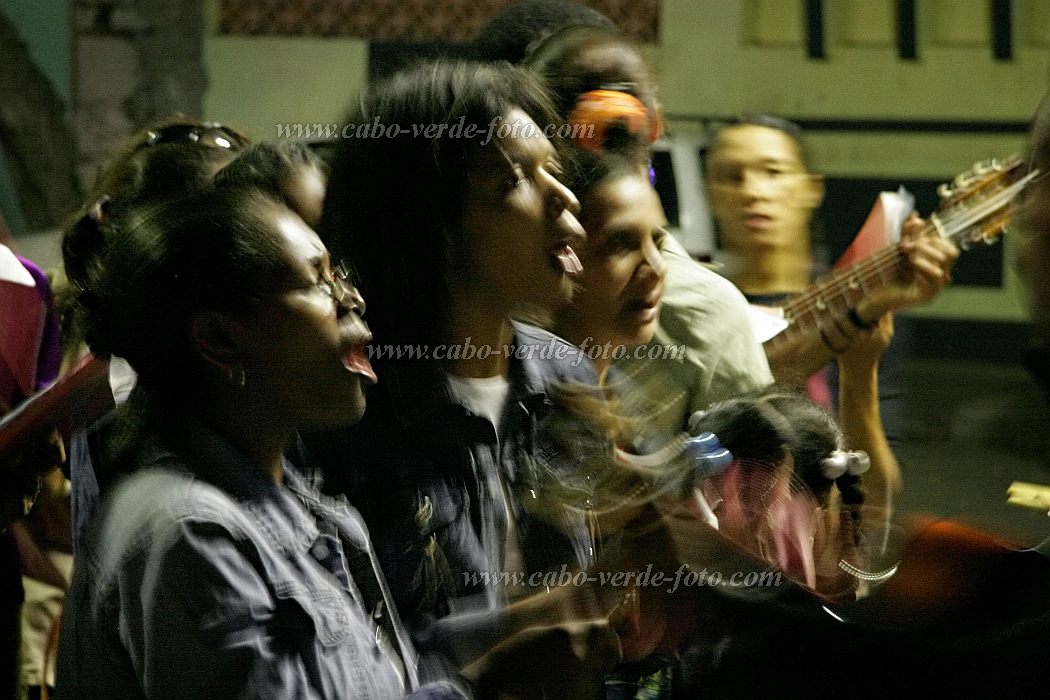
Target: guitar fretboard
{"x":978,"y":212}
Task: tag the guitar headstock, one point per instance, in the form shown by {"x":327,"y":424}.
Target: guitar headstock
{"x":976,"y":206}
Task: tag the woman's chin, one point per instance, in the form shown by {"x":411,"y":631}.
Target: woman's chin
{"x":344,"y":413}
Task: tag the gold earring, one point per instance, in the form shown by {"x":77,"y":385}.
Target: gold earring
{"x":235,"y":375}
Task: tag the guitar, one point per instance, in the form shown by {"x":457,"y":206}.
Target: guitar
{"x":975,"y":209}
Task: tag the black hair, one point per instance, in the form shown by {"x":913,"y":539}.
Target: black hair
{"x":764,"y":428}
{"x":509,"y":35}
{"x":395,"y":201}
{"x":785,"y":126}
{"x":204,"y":251}
{"x":138,"y":175}
{"x":266,"y":166}
{"x":588,"y":171}
{"x":574,"y":60}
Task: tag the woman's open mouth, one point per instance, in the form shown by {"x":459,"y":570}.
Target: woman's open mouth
{"x":356,"y":357}
{"x":645,"y":309}
{"x":356,"y":360}
{"x":564,"y":259}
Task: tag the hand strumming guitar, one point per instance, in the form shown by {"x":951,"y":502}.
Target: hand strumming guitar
{"x":925,"y":269}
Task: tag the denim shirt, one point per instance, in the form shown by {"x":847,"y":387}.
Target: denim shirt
{"x":426,"y":474}
{"x":197,"y":581}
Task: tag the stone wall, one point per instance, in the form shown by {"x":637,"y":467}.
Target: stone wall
{"x":134,"y":61}
{"x":35,"y":136}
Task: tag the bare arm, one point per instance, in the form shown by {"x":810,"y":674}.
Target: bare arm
{"x":860,"y":416}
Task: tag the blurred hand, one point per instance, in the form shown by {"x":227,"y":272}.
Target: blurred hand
{"x":567,"y":660}
{"x":926,"y":270}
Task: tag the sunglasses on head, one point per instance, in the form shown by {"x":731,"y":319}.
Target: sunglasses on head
{"x":207,"y":134}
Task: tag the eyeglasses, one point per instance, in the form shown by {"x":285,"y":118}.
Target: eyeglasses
{"x":341,"y":286}
{"x":207,"y":134}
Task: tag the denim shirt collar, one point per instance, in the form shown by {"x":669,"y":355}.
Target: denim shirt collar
{"x":210,"y":457}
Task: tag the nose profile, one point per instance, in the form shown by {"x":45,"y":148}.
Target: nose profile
{"x":348,"y":299}
{"x":561,"y":197}
{"x":653,"y":260}
{"x":356,"y":301}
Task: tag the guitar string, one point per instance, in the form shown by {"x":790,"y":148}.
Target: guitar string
{"x":842,"y":285}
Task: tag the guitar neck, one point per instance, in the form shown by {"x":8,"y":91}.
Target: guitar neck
{"x":833,"y":296}
{"x":975,"y":209}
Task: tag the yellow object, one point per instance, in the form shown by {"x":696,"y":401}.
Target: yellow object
{"x":1036,"y":496}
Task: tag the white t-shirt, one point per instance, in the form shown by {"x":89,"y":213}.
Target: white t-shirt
{"x":486,"y":397}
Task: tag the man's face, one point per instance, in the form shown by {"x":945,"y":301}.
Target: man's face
{"x":760,"y":192}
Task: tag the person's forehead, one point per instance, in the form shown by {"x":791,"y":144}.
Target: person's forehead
{"x":525,"y":140}
{"x":754,"y":142}
{"x":627,"y":198}
{"x":298,"y":238}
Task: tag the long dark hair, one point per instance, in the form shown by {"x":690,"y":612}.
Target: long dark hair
{"x":396,"y":200}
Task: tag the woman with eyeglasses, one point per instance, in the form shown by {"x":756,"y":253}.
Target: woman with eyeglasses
{"x":165,"y":160}
{"x":199,"y":574}
{"x":212,"y":568}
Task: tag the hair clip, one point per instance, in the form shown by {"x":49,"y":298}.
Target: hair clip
{"x":840,"y":462}
{"x":834,"y":465}
{"x":595,"y":111}
{"x":708,"y":456}
{"x":858,"y":462}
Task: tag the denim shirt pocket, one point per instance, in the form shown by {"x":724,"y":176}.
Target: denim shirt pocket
{"x":326,"y":611}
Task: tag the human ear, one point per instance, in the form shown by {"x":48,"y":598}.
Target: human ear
{"x":217,"y":338}
{"x":813,"y":192}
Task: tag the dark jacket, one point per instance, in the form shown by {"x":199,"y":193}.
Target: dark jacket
{"x":423,"y":472}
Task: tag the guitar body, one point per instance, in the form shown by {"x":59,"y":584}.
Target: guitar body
{"x":966,"y":615}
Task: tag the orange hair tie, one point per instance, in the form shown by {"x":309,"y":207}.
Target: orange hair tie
{"x":598,"y":110}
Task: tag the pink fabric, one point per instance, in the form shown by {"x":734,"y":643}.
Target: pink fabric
{"x":818,"y":388}
{"x":22,"y":315}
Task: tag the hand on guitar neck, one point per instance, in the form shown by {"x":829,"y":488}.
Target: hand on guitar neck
{"x":923,"y":270}
{"x":822,"y":320}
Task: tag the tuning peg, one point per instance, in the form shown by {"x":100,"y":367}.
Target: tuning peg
{"x":985,"y":166}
